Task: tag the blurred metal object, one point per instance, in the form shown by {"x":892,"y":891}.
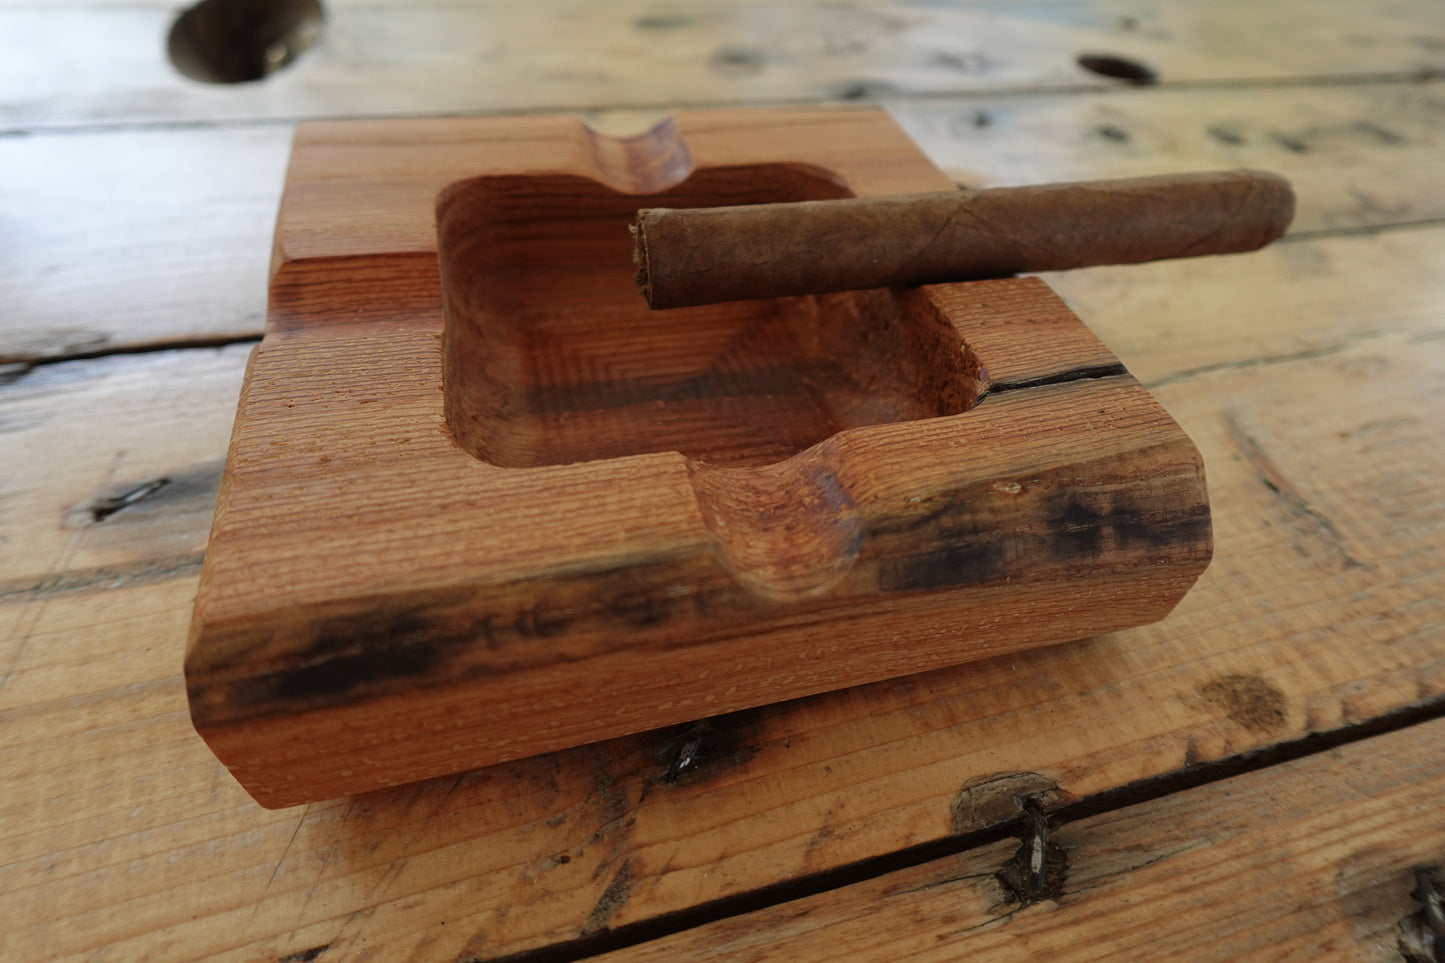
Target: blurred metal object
{"x":234,"y":41}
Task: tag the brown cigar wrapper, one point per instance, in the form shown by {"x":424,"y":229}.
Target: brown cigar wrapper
{"x":707,"y":255}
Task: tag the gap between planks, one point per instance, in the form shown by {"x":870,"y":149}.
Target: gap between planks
{"x":877,"y":867}
{"x":14,"y":370}
{"x":622,"y":118}
{"x":86,"y":290}
{"x":1333,"y":856}
{"x":309,"y":931}
{"x":590,"y":110}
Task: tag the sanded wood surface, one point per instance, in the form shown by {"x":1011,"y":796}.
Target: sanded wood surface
{"x":1308,"y":374}
{"x":635,"y":518}
{"x":1325,"y":847}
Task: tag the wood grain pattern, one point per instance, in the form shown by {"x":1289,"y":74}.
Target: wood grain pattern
{"x":119,"y":789}
{"x":131,"y":239}
{"x":1324,"y":846}
{"x":635,"y":518}
{"x":1309,"y":375}
{"x":112,"y":507}
{"x":182,"y":254}
{"x":107,"y":64}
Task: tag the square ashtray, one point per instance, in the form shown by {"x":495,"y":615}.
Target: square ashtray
{"x":481,"y":503}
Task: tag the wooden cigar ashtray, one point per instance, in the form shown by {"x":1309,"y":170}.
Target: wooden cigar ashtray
{"x":481,"y":503}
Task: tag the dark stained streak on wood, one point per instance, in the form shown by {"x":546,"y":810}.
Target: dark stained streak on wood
{"x":969,"y":539}
{"x":392,"y":644}
{"x":280,"y":862}
{"x":1298,"y":506}
{"x":613,"y":809}
{"x":612,"y":901}
{"x":25,"y":364}
{"x":976,"y":836}
{"x":188,"y":490}
{"x":1364,"y":230}
{"x":966,"y":545}
{"x":103,"y":576}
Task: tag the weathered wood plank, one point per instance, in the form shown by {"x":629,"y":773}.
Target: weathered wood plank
{"x":1323,"y":608}
{"x":1311,"y":859}
{"x":1315,"y":398}
{"x":111,"y":467}
{"x":1166,"y":321}
{"x":125,"y":239}
{"x":1298,"y":298}
{"x":107,"y":63}
{"x":1357,"y":155}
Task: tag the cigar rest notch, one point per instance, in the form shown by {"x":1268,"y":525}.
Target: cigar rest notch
{"x":480,"y":503}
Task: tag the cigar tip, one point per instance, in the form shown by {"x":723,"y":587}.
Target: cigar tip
{"x":1279,"y":201}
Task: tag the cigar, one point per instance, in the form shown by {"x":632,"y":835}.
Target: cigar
{"x":707,"y":255}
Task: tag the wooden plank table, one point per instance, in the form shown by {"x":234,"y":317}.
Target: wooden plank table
{"x":1256,"y":777}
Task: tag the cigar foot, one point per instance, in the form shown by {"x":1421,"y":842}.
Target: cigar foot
{"x":639,"y":258}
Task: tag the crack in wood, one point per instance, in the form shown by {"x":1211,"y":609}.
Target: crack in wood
{"x":305,"y":956}
{"x":14,"y":367}
{"x":1086,"y":373}
{"x":102,"y":576}
{"x":974,"y":837}
{"x":106,"y":506}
